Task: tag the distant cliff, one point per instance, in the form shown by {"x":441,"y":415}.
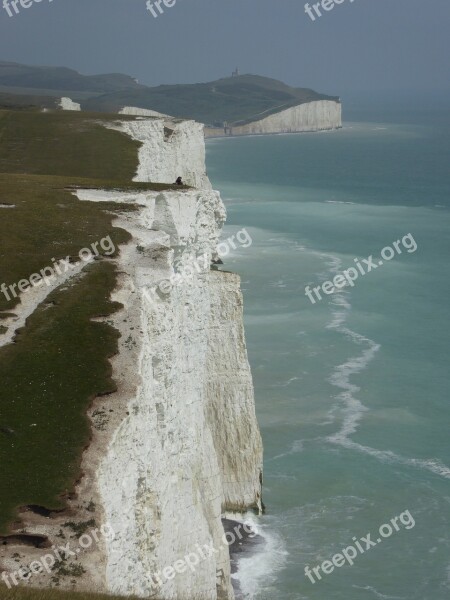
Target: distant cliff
{"x":312,"y":116}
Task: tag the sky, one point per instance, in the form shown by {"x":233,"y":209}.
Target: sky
{"x":359,"y":45}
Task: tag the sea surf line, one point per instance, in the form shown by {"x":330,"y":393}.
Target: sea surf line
{"x":352,"y":408}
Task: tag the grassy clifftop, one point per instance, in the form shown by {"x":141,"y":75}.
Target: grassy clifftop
{"x":23,"y":594}
{"x":59,"y":360}
{"x":65,"y":143}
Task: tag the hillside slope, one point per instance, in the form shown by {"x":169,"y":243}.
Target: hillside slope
{"x":62,"y":78}
{"x":236,"y":101}
{"x":232,"y":99}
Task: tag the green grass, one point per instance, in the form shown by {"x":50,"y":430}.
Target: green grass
{"x":12,"y":100}
{"x":41,"y":155}
{"x":26,"y":594}
{"x":49,"y":377}
{"x":48,"y":221}
{"x":62,"y":78}
{"x":59,"y":361}
{"x":64,"y":143}
{"x":20,"y":593}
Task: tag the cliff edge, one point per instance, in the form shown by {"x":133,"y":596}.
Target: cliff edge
{"x":188,"y":447}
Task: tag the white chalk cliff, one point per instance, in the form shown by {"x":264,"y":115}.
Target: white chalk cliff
{"x":170,"y":148}
{"x":187,"y":446}
{"x":319,"y":115}
{"x":142,"y":112}
{"x":68,"y":104}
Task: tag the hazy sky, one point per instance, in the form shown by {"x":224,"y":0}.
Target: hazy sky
{"x":359,"y":45}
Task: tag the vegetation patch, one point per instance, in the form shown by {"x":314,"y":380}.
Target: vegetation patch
{"x":49,"y":378}
{"x":29,"y":594}
{"x":232,"y":99}
{"x":80,"y":528}
{"x":59,"y":361}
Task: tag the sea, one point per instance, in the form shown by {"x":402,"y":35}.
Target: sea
{"x":352,"y":390}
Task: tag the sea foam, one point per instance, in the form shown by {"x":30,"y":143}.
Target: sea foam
{"x":351,"y":408}
{"x":259,"y":570}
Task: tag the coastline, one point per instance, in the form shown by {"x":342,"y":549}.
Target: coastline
{"x":318,"y":115}
{"x":328,"y":420}
{"x":161,"y":473}
{"x":214,"y":136}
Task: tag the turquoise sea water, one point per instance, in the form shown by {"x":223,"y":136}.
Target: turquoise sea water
{"x":353,"y":391}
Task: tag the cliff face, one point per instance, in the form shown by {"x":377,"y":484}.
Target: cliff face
{"x":68,"y":104}
{"x":312,"y":116}
{"x":170,"y":148}
{"x":188,"y":446}
{"x":142,"y":112}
